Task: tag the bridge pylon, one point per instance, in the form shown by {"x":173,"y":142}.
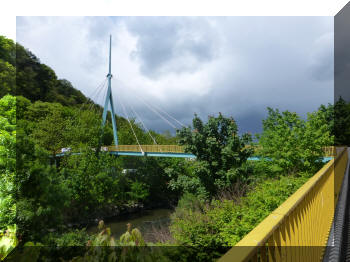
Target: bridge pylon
{"x":109,"y":99}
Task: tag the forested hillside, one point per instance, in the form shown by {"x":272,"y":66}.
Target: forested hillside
{"x":24,"y":75}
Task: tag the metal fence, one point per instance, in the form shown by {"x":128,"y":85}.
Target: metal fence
{"x":298,"y":229}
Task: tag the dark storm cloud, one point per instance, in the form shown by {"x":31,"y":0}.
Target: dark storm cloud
{"x":166,"y":44}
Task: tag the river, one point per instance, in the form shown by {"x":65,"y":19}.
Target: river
{"x":153,"y":224}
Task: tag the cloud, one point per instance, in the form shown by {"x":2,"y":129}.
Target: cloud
{"x":186,"y":65}
{"x":172,"y":44}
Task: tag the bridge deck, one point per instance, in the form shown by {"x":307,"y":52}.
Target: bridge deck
{"x":166,"y":151}
{"x":145,"y":148}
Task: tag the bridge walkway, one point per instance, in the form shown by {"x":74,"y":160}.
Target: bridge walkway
{"x":338,"y":246}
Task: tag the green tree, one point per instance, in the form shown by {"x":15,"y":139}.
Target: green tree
{"x":49,"y":133}
{"x":219,"y":149}
{"x":7,"y":50}
{"x":7,"y":160}
{"x":7,"y":78}
{"x":292,"y":143}
{"x":342,"y":122}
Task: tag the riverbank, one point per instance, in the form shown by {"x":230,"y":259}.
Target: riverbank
{"x":115,"y":213}
{"x":152,"y":223}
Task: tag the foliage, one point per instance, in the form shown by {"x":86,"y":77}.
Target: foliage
{"x":41,"y":191}
{"x":220,"y":151}
{"x":7,"y":160}
{"x":138,"y":191}
{"x":8,"y":241}
{"x":342,"y":122}
{"x":292,"y":143}
{"x":225,"y":222}
{"x":7,"y":67}
{"x":7,"y":50}
{"x":130,"y":247}
{"x":71,"y":238}
{"x":7,"y":78}
{"x":91,"y":181}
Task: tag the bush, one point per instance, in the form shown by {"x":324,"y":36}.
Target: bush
{"x":73,"y":238}
{"x":293,"y":144}
{"x":220,"y":153}
{"x":8,"y":241}
{"x":224,"y":223}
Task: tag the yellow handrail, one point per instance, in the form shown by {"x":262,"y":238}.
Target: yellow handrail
{"x":147,"y":148}
{"x":302,"y":221}
{"x":328,"y":151}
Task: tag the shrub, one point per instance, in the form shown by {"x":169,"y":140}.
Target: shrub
{"x":224,"y":223}
{"x":292,"y":143}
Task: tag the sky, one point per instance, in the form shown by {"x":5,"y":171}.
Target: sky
{"x":238,"y":66}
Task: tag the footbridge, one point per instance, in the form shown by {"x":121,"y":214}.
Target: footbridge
{"x":130,"y":150}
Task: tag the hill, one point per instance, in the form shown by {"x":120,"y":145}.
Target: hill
{"x":22,"y":74}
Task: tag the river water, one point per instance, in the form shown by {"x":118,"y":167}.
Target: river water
{"x":148,"y":222}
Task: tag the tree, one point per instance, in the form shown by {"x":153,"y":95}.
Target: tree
{"x":49,"y":133}
{"x":342,"y":122}
{"x":293,"y":144}
{"x":7,"y":50}
{"x":219,"y":149}
{"x":7,"y":160}
{"x":7,"y":78}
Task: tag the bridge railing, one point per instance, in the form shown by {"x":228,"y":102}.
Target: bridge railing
{"x":328,"y":151}
{"x":147,"y":148}
{"x":302,"y":221}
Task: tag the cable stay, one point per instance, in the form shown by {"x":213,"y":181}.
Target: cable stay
{"x":103,"y":92}
{"x":143,"y":124}
{"x":90,"y":99}
{"x":169,"y":115}
{"x":155,"y":111}
{"x":100,"y":91}
{"x":93,"y":94}
{"x":127,"y":117}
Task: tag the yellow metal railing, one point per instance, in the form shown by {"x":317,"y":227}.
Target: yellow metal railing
{"x":298,"y":229}
{"x":330,"y":151}
{"x":147,"y":148}
{"x":327,"y":150}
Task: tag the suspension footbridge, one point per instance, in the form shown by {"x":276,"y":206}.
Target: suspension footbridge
{"x":157,"y":150}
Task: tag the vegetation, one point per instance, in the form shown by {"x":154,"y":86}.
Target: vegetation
{"x":220,"y":196}
{"x":7,"y":161}
{"x":220,"y":152}
{"x":8,"y":241}
{"x":294,"y":144}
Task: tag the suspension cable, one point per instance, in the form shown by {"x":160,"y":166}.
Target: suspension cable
{"x":97,"y":95}
{"x":90,"y":97}
{"x":148,"y":131}
{"x":159,"y":109}
{"x":127,"y":117}
{"x":169,"y":115}
{"x":155,"y":111}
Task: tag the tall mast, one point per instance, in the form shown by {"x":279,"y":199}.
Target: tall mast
{"x":109,"y":97}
